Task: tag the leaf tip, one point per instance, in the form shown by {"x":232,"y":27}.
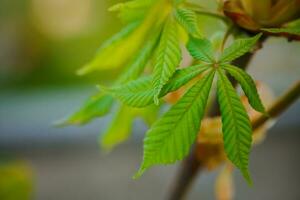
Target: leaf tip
{"x":139,"y":173}
{"x":246,"y":175}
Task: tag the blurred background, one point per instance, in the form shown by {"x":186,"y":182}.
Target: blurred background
{"x":42,"y":44}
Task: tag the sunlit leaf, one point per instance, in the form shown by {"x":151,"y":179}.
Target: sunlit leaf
{"x":188,"y":19}
{"x":171,"y":137}
{"x":96,"y":106}
{"x":139,"y":62}
{"x":120,"y":128}
{"x":236,"y":127}
{"x":167,"y":57}
{"x":118,"y":51}
{"x":132,"y":10}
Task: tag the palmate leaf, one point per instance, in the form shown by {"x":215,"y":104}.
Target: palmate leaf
{"x":248,"y":86}
{"x":188,"y":19}
{"x":167,"y":57}
{"x":236,"y":127}
{"x":120,"y":128}
{"x":140,"y":93}
{"x":201,"y":49}
{"x":239,"y":48}
{"x":171,"y":137}
{"x":97,"y":106}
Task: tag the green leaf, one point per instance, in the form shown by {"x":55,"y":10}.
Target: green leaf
{"x":167,"y":57}
{"x":248,"y":86}
{"x":291,"y":28}
{"x":140,"y":93}
{"x":139,"y":62}
{"x":183,"y":76}
{"x":118,"y":51}
{"x":137,"y":93}
{"x":201,"y":49}
{"x":120,"y":128}
{"x":132,"y":10}
{"x":171,"y":137}
{"x":96,"y":106}
{"x":236,"y":127}
{"x":239,"y":48}
{"x":188,"y":19}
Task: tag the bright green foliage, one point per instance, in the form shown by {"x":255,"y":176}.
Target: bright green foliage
{"x":138,"y":64}
{"x":150,"y":43}
{"x":201,"y":49}
{"x":120,"y":128}
{"x":171,"y":137}
{"x":248,"y":85}
{"x":139,"y":93}
{"x":132,"y":10}
{"x":96,"y":106}
{"x":291,"y":28}
{"x":239,"y":48}
{"x":188,"y":19}
{"x":237,"y":132}
{"x":167,"y":57}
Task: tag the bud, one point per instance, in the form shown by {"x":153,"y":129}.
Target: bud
{"x":254,"y":15}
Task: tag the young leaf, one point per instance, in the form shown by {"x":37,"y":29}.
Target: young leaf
{"x":171,"y":137}
{"x":188,"y":19}
{"x":120,"y":128}
{"x":117,"y":53}
{"x":139,"y":93}
{"x":167,"y":57}
{"x":96,"y":106}
{"x":236,"y":127}
{"x":139,"y":62}
{"x":132,"y":10}
{"x":239,"y":48}
{"x":201,"y":49}
{"x":248,"y":86}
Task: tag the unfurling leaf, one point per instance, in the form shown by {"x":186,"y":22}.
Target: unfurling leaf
{"x":188,"y":19}
{"x":167,"y":57}
{"x":119,"y":129}
{"x":139,"y":93}
{"x":248,"y":86}
{"x":239,"y":48}
{"x":236,"y":127}
{"x":201,"y":49}
{"x":96,"y":106}
{"x":171,"y":137}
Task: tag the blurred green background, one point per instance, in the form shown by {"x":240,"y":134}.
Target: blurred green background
{"x":42,"y":44}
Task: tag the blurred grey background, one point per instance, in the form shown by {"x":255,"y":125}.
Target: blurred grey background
{"x":39,"y":54}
